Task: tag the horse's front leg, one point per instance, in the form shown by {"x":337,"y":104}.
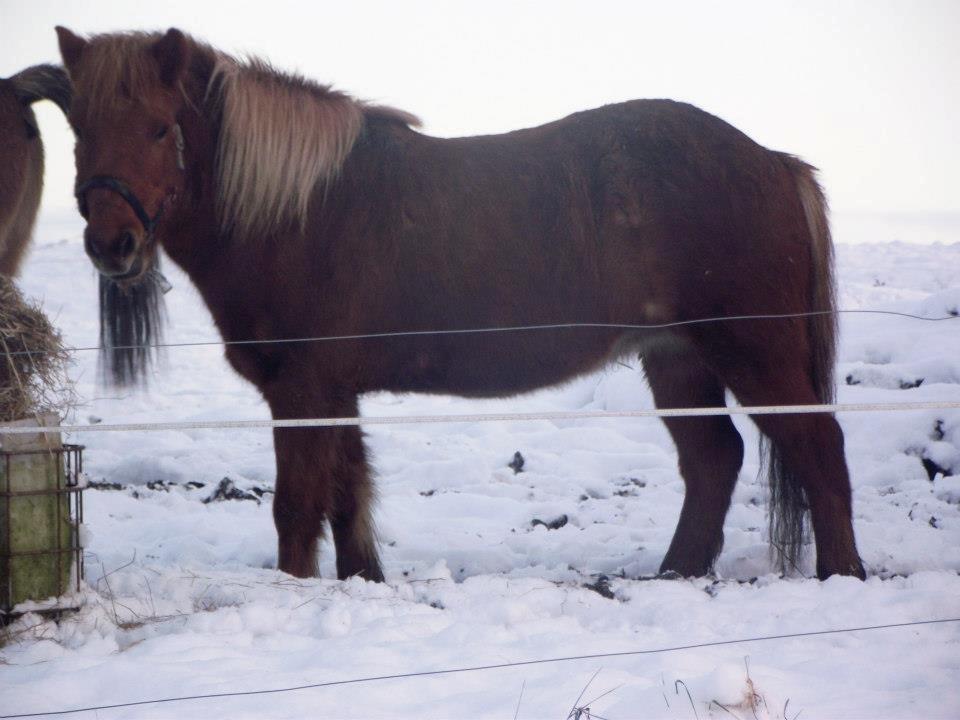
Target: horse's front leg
{"x":322,"y":474}
{"x":351,"y":517}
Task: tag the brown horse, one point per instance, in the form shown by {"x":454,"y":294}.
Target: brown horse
{"x":299,"y":211}
{"x":21,"y":156}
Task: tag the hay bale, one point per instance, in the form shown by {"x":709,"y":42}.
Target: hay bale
{"x":33,"y":360}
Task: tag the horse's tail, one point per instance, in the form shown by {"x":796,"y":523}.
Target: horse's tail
{"x":131,"y":328}
{"x":43,"y":82}
{"x":788,"y":513}
{"x":822,"y":328}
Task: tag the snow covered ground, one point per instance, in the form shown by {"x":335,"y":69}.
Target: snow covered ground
{"x":486,"y":566}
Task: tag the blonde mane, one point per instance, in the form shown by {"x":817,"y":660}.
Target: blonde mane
{"x":281,"y":136}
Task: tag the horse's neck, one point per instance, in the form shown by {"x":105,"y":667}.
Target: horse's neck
{"x":226,"y":269}
{"x":190,"y":236}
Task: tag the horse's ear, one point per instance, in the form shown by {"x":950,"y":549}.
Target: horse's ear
{"x":71,"y":46}
{"x":171,"y":53}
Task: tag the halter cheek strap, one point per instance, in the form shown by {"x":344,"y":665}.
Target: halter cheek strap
{"x":179,"y":145}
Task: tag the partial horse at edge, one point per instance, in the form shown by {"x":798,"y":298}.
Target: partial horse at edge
{"x":21,"y":156}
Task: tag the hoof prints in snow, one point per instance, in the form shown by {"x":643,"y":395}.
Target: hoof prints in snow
{"x":517,"y":463}
{"x":226,"y":489}
{"x":554,"y":524}
{"x":940,"y":454}
{"x":883,"y":377}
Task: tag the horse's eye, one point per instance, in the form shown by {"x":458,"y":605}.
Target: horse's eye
{"x":161,"y":133}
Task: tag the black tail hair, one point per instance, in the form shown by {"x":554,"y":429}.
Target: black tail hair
{"x":43,"y":82}
{"x":789,"y":516}
{"x":131,"y":328}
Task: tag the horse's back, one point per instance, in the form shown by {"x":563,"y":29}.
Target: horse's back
{"x":678,"y":163}
{"x":650,"y":202}
{"x":635,"y":168}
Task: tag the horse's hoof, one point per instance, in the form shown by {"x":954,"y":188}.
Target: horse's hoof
{"x":854,"y":569}
{"x":669,"y":575}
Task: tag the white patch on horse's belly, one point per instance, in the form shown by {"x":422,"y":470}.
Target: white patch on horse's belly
{"x":655,"y":312}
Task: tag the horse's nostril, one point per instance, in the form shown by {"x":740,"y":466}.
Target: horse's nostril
{"x":126,"y":244}
{"x":91,"y":247}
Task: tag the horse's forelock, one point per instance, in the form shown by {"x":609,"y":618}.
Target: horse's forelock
{"x":116,"y":68}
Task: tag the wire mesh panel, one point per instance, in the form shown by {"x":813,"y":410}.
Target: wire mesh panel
{"x":41,"y":509}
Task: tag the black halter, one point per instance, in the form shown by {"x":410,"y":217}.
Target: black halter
{"x":123,"y":190}
{"x":108,"y":182}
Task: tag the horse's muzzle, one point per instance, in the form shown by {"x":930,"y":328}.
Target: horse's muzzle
{"x":116,"y":255}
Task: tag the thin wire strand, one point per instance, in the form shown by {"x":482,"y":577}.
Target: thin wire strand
{"x":480,"y":668}
{"x":511,"y":328}
{"x":484,"y":417}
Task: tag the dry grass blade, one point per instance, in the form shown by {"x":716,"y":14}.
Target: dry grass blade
{"x":33,"y":360}
{"x":676,"y":689}
{"x":576,"y":712}
{"x":516,"y":713}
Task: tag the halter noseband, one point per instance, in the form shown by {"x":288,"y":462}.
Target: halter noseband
{"x":108,"y":182}
{"x":118,"y":186}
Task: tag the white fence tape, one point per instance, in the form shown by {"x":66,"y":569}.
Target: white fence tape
{"x":486,"y":417}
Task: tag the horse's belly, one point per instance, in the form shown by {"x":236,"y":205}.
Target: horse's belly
{"x":504,"y":364}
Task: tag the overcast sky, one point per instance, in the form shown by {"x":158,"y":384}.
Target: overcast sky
{"x":869,"y":91}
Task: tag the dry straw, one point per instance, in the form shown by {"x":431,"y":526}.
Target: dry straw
{"x":33,"y":360}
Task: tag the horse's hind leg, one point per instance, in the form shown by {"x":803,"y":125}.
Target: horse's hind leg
{"x":767,"y":365}
{"x":710,"y":453}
